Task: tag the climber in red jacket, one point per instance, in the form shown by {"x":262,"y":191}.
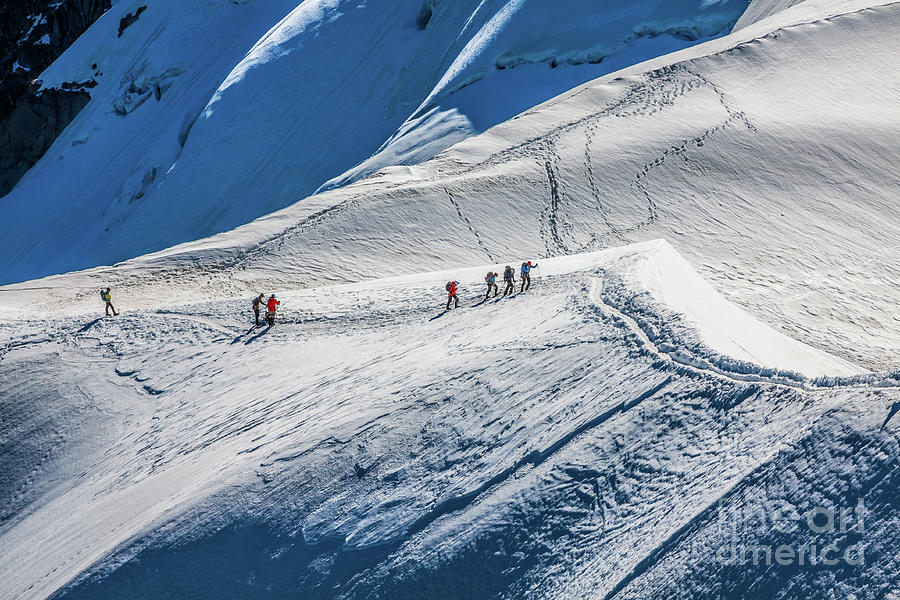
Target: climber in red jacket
{"x":451,"y":293}
{"x":271,"y":306}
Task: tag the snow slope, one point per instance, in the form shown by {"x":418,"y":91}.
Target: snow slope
{"x":207,"y":116}
{"x":511,"y":448}
{"x":760,"y":9}
{"x":605,"y":434}
{"x":715,"y":328}
{"x":764,"y":157}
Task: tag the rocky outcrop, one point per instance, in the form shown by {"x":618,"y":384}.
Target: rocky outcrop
{"x":33,"y":33}
{"x":130,"y":19}
{"x":32,"y":126}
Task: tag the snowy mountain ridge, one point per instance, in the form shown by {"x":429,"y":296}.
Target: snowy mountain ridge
{"x":682,"y":151}
{"x":203,"y":118}
{"x":709,"y":344}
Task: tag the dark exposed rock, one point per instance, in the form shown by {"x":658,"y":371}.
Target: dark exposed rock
{"x":78,"y":85}
{"x":33,"y":33}
{"x":130,"y":19}
{"x":33,"y":125}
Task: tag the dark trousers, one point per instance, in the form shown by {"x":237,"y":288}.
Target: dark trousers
{"x":256,"y":314}
{"x":491,"y":285}
{"x":450,"y":298}
{"x":110,"y":306}
{"x":510,"y":287}
{"x":526,"y":282}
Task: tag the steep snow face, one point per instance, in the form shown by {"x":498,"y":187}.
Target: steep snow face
{"x":502,"y":70}
{"x":205,"y":117}
{"x":541,"y":445}
{"x":155,"y":69}
{"x":760,"y":9}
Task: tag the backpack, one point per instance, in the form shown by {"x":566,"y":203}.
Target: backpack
{"x":508,"y":273}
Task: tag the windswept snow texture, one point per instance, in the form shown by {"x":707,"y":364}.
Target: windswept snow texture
{"x":533,"y":446}
{"x":207,"y":116}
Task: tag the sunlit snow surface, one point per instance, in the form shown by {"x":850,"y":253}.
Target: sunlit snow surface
{"x":533,"y":445}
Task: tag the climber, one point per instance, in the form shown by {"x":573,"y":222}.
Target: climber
{"x":509,"y":276}
{"x":271,"y":305}
{"x":257,"y":302}
{"x":526,"y":275}
{"x":491,"y":280}
{"x":106,"y":297}
{"x":451,"y":288}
